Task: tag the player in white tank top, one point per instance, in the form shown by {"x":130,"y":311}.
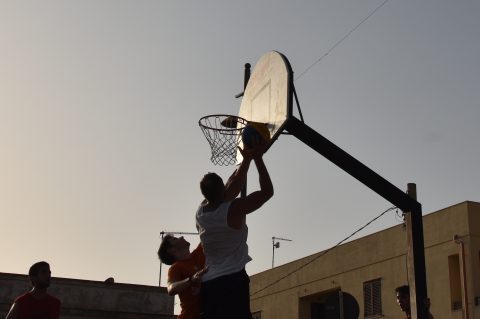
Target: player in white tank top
{"x":221,"y":223}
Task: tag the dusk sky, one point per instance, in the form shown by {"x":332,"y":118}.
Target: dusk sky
{"x":100,"y":149}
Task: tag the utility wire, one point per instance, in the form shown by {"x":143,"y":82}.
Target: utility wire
{"x":342,"y":39}
{"x":322,"y":254}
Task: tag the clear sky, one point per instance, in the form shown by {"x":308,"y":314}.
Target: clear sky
{"x":100,"y":149}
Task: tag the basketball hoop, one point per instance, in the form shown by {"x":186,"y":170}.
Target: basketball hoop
{"x":223,"y":133}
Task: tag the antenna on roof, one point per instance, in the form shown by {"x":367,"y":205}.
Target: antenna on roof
{"x":276,"y":244}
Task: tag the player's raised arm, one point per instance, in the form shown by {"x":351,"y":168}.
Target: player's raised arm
{"x":237,"y":180}
{"x":266,"y":186}
{"x":243,"y":206}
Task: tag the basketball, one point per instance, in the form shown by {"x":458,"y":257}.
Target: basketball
{"x":255,"y":131}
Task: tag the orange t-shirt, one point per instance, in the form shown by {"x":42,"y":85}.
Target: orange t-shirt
{"x":190,"y":297}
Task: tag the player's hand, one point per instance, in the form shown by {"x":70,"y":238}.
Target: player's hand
{"x":247,"y":153}
{"x":196,"y":278}
{"x":258,"y":148}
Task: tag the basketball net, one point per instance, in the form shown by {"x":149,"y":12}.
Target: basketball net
{"x":223,"y":133}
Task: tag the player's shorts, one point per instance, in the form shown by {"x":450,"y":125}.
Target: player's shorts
{"x":226,"y":297}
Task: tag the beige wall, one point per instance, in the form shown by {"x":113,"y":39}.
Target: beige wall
{"x":378,"y":256}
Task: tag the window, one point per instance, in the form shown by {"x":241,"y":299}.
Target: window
{"x":372,"y":298}
{"x":455,"y":285}
{"x":257,"y":315}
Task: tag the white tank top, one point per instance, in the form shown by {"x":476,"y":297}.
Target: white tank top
{"x":225,"y":248}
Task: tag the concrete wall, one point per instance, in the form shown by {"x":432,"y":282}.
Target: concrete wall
{"x":287,"y":291}
{"x":94,"y":299}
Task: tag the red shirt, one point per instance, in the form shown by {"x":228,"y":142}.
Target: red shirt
{"x":190,"y":297}
{"x":31,"y":307}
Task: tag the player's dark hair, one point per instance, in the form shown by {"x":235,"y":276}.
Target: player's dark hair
{"x":35,"y":270}
{"x":163,"y":254}
{"x":403,"y":290}
{"x":210,"y":184}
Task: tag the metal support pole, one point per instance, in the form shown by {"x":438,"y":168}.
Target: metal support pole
{"x":246,"y":77}
{"x":463,"y":273}
{"x":162,"y":233}
{"x":416,"y":259}
{"x":340,"y":303}
{"x":382,"y":187}
{"x":273,"y":250}
{"x":351,"y":165}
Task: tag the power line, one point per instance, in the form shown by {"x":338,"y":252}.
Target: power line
{"x":342,"y":39}
{"x":323,"y":253}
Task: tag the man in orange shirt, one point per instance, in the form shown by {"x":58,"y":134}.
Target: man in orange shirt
{"x":185,"y":273}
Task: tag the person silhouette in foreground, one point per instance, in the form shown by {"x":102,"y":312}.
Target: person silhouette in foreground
{"x":36,"y":303}
{"x":221,"y":222}
{"x":403,"y":301}
{"x":185,"y":273}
